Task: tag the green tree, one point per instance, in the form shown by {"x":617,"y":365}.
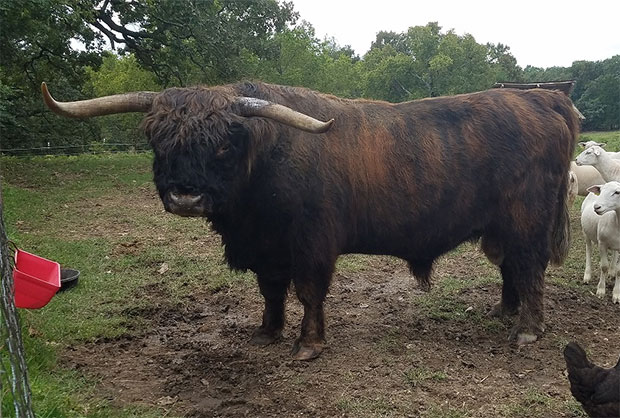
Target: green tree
{"x":120,"y":75}
{"x":36,"y":44}
{"x":191,"y":42}
{"x":504,"y":63}
{"x":424,"y":61}
{"x":600,"y":103}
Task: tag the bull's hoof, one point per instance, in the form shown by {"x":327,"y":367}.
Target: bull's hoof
{"x":305,"y":352}
{"x":499,"y":310}
{"x":526,"y":338}
{"x":521,"y":337}
{"x":263,"y":336}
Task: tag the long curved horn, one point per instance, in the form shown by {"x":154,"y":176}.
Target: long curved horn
{"x":119,"y":103}
{"x":251,"y":106}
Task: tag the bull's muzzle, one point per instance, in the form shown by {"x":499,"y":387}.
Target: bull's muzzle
{"x":186,"y":204}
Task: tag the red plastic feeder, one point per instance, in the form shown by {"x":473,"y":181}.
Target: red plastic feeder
{"x":36,"y":280}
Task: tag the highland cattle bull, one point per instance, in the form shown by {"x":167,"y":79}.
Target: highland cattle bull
{"x":288,"y":193}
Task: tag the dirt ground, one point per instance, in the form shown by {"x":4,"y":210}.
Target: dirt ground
{"x":392,"y":349}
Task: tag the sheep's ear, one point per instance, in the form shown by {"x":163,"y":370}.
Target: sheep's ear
{"x":595,"y":189}
{"x":582,"y":144}
{"x":601,"y":144}
{"x":597,"y":152}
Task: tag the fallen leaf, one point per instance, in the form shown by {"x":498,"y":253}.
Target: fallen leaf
{"x":166,"y":400}
{"x":163,"y":268}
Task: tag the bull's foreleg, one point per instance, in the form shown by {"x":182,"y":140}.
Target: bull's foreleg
{"x":311,"y":291}
{"x":525,"y":270}
{"x":274,"y":288}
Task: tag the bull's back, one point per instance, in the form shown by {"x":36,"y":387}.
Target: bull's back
{"x":429,"y":174}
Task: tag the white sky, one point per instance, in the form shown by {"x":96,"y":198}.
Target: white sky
{"x":542,"y":33}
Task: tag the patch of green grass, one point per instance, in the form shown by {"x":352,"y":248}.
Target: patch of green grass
{"x":418,"y":375}
{"x":392,"y":342}
{"x":60,"y":393}
{"x":39,"y":195}
{"x":352,"y":263}
{"x":377,"y":407}
{"x":534,"y":403}
{"x":610,"y":138}
{"x":442,"y":302}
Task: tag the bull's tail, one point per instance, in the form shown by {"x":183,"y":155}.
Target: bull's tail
{"x":560,"y":235}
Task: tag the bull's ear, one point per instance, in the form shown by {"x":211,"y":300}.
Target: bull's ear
{"x":595,"y":189}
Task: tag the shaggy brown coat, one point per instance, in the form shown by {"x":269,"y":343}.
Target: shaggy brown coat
{"x":412,"y":180}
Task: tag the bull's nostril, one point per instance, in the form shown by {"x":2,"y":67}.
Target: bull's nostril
{"x":174,"y":197}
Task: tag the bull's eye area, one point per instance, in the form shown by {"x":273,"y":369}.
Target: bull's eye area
{"x":223,"y":150}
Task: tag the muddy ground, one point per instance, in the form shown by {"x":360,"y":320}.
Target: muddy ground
{"x":392,"y":350}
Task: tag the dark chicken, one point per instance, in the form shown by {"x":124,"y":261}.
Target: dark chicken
{"x":597,"y":389}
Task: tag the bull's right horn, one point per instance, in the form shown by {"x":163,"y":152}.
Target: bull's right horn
{"x":108,"y":105}
{"x":251,"y":106}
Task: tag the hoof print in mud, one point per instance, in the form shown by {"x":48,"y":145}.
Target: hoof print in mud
{"x":264,"y":337}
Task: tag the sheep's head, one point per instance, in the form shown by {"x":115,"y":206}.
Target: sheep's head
{"x":608,"y":198}
{"x":590,"y":156}
{"x":588,"y":144}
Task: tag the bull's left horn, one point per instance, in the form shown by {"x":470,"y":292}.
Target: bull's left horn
{"x":251,"y":106}
{"x":108,"y":105}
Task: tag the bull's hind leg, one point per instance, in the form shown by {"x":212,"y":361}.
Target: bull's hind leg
{"x":523,"y":268}
{"x":273,"y":287}
{"x":422,"y":270}
{"x":311,"y":287}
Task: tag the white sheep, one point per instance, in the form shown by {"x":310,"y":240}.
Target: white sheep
{"x":586,"y":174}
{"x":600,"y":159}
{"x":573,"y":188}
{"x":588,"y":144}
{"x":600,"y":222}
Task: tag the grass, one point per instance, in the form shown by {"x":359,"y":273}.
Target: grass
{"x":371,"y":407}
{"x":610,"y":138}
{"x":418,"y":375}
{"x":76,"y":210}
{"x":533,"y":404}
{"x":40,"y":196}
{"x":442,"y":303}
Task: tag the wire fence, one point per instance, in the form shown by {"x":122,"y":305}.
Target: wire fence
{"x":92,"y":148}
{"x":13,"y":369}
